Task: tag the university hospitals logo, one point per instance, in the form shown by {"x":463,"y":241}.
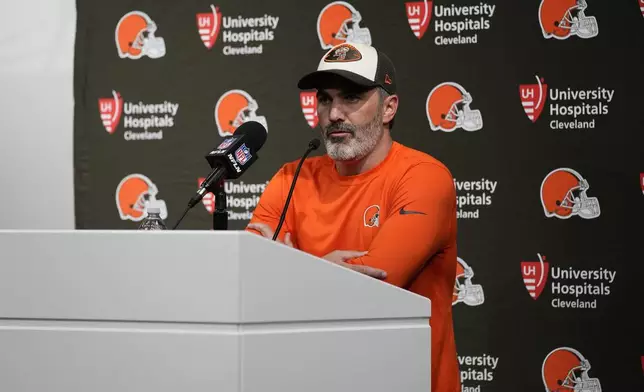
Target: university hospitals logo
{"x":135,"y":193}
{"x":535,"y":275}
{"x":309,"y":103}
{"x":419,"y":13}
{"x":242,"y":35}
{"x":570,"y":287}
{"x":641,"y":3}
{"x":454,"y":24}
{"x":566,"y":369}
{"x":464,"y":290}
{"x":208,"y":26}
{"x":448,"y":109}
{"x":642,"y":181}
{"x":141,"y":121}
{"x":234,"y":108}
{"x":562,"y":19}
{"x":339,"y":22}
{"x":569,"y":108}
{"x":533,"y":98}
{"x":135,"y":37}
{"x":477,"y":371}
{"x":110,"y":110}
{"x":564,"y":195}
{"x":241,"y":198}
{"x":472,"y":196}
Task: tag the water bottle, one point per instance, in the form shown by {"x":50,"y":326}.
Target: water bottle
{"x":153,"y":220}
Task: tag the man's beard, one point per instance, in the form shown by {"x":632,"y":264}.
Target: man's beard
{"x":361,"y":141}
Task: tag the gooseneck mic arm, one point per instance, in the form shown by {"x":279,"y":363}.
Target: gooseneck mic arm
{"x":313,"y":145}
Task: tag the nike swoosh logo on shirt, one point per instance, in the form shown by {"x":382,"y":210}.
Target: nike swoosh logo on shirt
{"x":409,"y":212}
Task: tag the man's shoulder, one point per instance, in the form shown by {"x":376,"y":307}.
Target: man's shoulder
{"x":420,"y":161}
{"x":310,"y":165}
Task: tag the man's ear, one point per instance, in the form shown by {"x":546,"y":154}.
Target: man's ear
{"x":390,"y":106}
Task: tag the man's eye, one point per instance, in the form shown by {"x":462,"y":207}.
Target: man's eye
{"x":323,"y":99}
{"x":351,"y":97}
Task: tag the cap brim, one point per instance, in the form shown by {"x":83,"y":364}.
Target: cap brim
{"x":318,"y":79}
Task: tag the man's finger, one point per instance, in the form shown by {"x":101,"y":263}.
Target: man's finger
{"x":370,"y":271}
{"x":262,"y":228}
{"x":351,"y":254}
{"x":288,"y":241}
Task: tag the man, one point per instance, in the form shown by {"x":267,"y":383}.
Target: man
{"x":371,"y":204}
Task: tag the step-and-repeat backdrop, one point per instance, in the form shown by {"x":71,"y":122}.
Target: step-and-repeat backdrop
{"x":549,"y":182}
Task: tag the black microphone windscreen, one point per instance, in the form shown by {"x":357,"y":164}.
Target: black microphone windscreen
{"x":314,"y":144}
{"x":255,"y":134}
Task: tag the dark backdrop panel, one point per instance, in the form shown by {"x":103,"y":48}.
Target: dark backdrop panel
{"x":503,"y":339}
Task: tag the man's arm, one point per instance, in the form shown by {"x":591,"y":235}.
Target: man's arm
{"x":270,"y":206}
{"x":417,"y":227}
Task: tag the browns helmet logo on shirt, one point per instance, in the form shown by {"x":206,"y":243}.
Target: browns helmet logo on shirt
{"x":448,"y":108}
{"x":339,"y":22}
{"x":562,"y":19}
{"x":564,"y":195}
{"x":464,"y":290}
{"x":234,"y":108}
{"x":134,"y":194}
{"x":371,"y":217}
{"x":135,"y":37}
{"x":566,"y":369}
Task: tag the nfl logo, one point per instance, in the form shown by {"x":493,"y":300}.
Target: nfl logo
{"x":226,"y":143}
{"x":242,"y":154}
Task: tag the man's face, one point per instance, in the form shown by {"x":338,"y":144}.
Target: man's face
{"x":350,"y":121}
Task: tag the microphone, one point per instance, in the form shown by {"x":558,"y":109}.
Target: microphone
{"x":313,"y":145}
{"x":234,"y":155}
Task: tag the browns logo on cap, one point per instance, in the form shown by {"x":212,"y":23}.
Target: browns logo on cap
{"x":361,"y":64}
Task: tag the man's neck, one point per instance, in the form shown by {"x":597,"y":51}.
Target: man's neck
{"x":367,"y":163}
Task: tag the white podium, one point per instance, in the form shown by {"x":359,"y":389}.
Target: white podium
{"x":193,"y":311}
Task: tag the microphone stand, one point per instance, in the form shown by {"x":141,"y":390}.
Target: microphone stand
{"x":220,"y":215}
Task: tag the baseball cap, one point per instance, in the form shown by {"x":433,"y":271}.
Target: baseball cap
{"x":362,"y":64}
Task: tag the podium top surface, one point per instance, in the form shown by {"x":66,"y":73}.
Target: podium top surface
{"x":184,"y":276}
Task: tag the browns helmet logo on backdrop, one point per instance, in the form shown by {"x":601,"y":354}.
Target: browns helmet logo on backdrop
{"x":564,"y":195}
{"x":464,"y":290}
{"x":234,"y":108}
{"x":448,"y":108}
{"x":135,"y":37}
{"x":562,"y":19}
{"x":566,"y":369}
{"x":339,"y":22}
{"x":135,"y":193}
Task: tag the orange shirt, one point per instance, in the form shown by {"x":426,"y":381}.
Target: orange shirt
{"x":402,"y":211}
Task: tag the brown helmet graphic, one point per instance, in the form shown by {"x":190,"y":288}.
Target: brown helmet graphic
{"x":134,"y":194}
{"x":566,"y":370}
{"x":339,"y":22}
{"x":563,"y":195}
{"x":562,"y":19}
{"x":135,"y":37}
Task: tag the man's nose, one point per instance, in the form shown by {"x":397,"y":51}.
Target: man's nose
{"x":336,"y":113}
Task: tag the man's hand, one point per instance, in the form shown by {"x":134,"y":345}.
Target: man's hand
{"x":267,"y":232}
{"x":341,"y":256}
